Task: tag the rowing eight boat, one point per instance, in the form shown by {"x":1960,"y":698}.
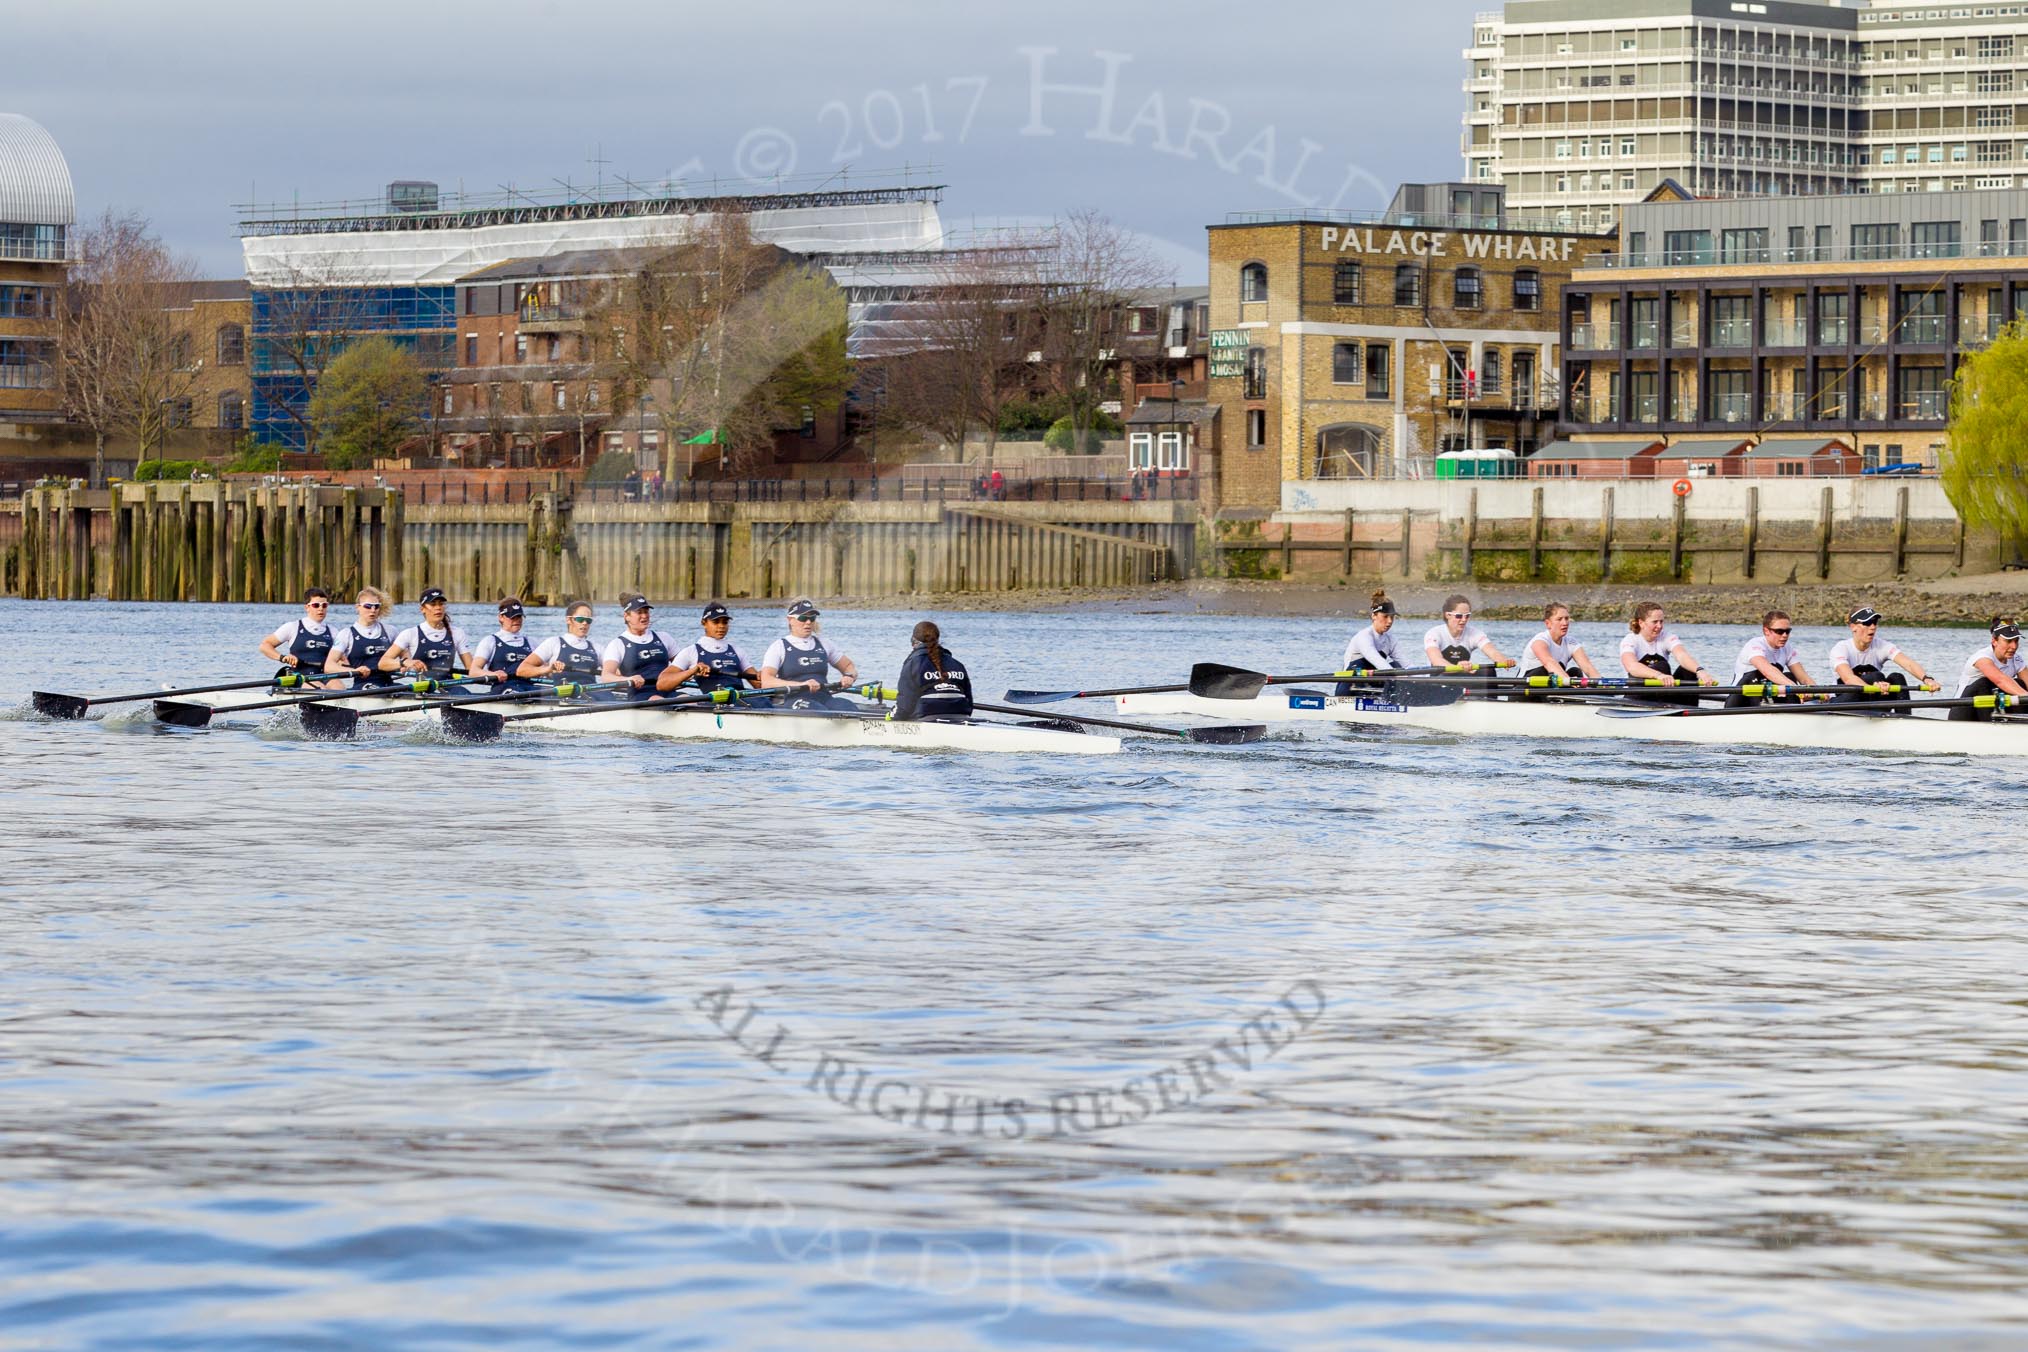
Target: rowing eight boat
{"x":1914,"y":735}
{"x":715,"y":724}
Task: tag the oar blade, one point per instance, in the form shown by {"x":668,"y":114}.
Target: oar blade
{"x":472,"y":725}
{"x":328,"y":722}
{"x":182,"y":714}
{"x":1232,"y":734}
{"x":1214,"y":680}
{"x":1039,"y":696}
{"x":52,"y":705}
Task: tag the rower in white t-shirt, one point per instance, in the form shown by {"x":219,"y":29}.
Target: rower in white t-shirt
{"x":304,"y":644}
{"x":1372,"y":648}
{"x":571,"y":654}
{"x":1993,"y":670}
{"x":1456,"y":638}
{"x":803,"y":659}
{"x":1768,"y":658}
{"x":432,"y":647}
{"x":1555,"y":651}
{"x":1862,"y":659}
{"x":1650,"y":651}
{"x":712,"y":662}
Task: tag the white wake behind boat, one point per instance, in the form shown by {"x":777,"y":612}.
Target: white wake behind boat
{"x":729,"y":725}
{"x":1920,"y":734}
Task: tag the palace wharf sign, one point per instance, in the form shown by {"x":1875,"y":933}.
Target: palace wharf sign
{"x":1439,"y":244}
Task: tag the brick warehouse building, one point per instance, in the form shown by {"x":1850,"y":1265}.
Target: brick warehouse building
{"x":1345,"y":349}
{"x":1812,"y":317}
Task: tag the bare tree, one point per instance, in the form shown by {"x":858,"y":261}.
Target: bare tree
{"x":958,"y":358}
{"x":1081,"y":290}
{"x":127,"y":358}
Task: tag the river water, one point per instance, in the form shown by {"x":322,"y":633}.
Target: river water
{"x":1354,"y":1039}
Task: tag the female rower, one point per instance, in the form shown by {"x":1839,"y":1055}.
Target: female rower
{"x":1768,"y":658}
{"x":433,"y":647}
{"x":932,"y":684}
{"x":1372,"y":648}
{"x":711,"y":661}
{"x":803,"y":659}
{"x":1650,"y":652}
{"x":1995,"y":671}
{"x":640,"y":655}
{"x":1862,"y":659}
{"x":1453,"y":642}
{"x":302,"y":645}
{"x":1552,"y":652}
{"x":505,"y":649}
{"x":571,"y":654}
{"x":358,"y":647}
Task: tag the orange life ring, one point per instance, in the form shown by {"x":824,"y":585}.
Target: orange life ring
{"x":1681,"y":488}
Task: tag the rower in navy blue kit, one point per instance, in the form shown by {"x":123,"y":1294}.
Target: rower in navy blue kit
{"x":356,"y":649}
{"x":804,"y":659}
{"x":640,"y":654}
{"x":933,"y":683}
{"x":302,"y":645}
{"x":712,"y":662}
{"x":506,"y":648}
{"x":571,"y":654}
{"x":432,"y":648}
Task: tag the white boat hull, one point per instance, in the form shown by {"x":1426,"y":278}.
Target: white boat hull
{"x":696,"y":725}
{"x":1920,"y":735}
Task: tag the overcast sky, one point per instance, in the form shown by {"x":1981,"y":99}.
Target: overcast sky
{"x":1165,"y":118}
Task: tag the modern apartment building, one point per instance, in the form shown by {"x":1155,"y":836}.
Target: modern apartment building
{"x":37,"y":211}
{"x":1580,"y":107}
{"x":1839,"y":316}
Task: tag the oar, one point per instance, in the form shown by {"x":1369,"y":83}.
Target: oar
{"x":1229,"y":735}
{"x":1212,"y":680}
{"x":482,"y":725}
{"x":52,"y":705}
{"x":183,"y":714}
{"x":331,"y":723}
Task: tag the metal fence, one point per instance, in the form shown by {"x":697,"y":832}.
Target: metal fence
{"x":1109,"y":488}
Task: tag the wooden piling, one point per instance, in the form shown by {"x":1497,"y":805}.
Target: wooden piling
{"x":1676,"y":539}
{"x":1750,"y":540}
{"x":1824,"y":536}
{"x":1901,"y":530}
{"x":1605,"y":538}
{"x":1535,"y":533}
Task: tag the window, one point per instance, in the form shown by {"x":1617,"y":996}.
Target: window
{"x":1253,"y":279}
{"x":231,"y":411}
{"x":1345,"y":281}
{"x":1140,"y":450}
{"x":1346,"y":366}
{"x":1528,"y":290}
{"x":1465,"y":289}
{"x":555,"y":348}
{"x":557,"y":394}
{"x":1875,"y":241}
{"x":471,"y":349}
{"x":520,"y":348}
{"x":1682,"y":247}
{"x":1742,"y":246}
{"x":231,"y":346}
{"x":1256,"y":427}
{"x":1490,"y":372}
{"x":1408,"y":284}
{"x":1933,"y":239}
{"x":591,"y":395}
{"x":1376,"y":371}
{"x":447,"y":399}
{"x":1254,"y":385}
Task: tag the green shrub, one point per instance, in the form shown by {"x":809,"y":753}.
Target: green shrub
{"x":166,"y":469}
{"x":610,"y":468}
{"x":252,"y":456}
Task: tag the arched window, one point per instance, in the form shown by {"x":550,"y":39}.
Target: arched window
{"x":1465,"y":289}
{"x":231,"y":345}
{"x":1408,"y":284}
{"x":231,"y":411}
{"x":1347,"y":451}
{"x":1253,"y":282}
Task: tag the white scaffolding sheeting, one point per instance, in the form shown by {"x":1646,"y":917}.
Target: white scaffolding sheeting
{"x":440,"y":257}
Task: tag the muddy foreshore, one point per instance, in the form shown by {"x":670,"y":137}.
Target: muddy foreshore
{"x":1940,"y":603}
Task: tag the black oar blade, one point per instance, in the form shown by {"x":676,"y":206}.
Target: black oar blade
{"x":1039,"y":696}
{"x":1052,"y":724}
{"x":1420,"y":694}
{"x":472,"y":725}
{"x":328,"y":722}
{"x":1213,"y":680}
{"x":182,"y":714}
{"x":1234,"y":734}
{"x":51,"y":705}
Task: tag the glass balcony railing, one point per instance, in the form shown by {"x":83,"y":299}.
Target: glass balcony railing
{"x":1605,"y":409}
{"x":1871,"y":408}
{"x":1783,"y":406}
{"x":1595,"y":337}
{"x":1732,"y":333}
{"x":1645,"y":408}
{"x":1644,"y":334}
{"x":29,"y":376}
{"x":1832,"y":332}
{"x":1783,"y":333}
{"x":1682,"y":333}
{"x":1925,"y":406}
{"x":1921,"y":329}
{"x":1682,"y":409}
{"x":1832,"y":405}
{"x":1978,"y":330}
{"x":1730,"y":408}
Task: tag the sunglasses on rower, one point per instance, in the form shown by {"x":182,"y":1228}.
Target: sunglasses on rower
{"x":1782,"y":632}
